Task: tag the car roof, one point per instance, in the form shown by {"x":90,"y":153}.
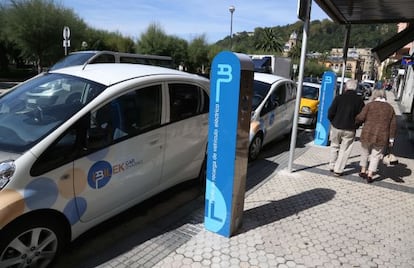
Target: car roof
{"x":268,"y":78}
{"x":112,"y":73}
{"x":309,"y":84}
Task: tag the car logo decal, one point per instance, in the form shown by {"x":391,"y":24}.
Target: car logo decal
{"x":99,"y":174}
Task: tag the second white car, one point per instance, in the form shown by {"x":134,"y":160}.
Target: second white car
{"x":273,"y":107}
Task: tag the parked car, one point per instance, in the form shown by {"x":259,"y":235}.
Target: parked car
{"x":78,"y":145}
{"x":309,"y":103}
{"x":95,"y":56}
{"x":369,"y":83}
{"x":311,"y":79}
{"x":273,"y":107}
{"x":364,"y":90}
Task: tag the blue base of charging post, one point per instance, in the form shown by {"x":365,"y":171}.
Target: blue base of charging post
{"x":231,"y":86}
{"x":327,"y":94}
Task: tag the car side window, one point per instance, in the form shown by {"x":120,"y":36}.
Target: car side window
{"x":124,"y":59}
{"x":149,"y":108}
{"x":68,"y":147}
{"x":279,"y":95}
{"x":269,"y":105}
{"x":186,"y":100}
{"x":128,"y":115}
{"x":104,"y":58}
{"x":291,"y":91}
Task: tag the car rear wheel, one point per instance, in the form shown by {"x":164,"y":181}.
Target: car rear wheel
{"x":30,"y":243}
{"x":255,"y":147}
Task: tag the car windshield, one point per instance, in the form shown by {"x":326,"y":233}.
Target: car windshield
{"x":72,"y":60}
{"x":260,"y":91}
{"x":32,"y":110}
{"x":309,"y":92}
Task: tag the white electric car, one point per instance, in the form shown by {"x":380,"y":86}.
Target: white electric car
{"x":81,"y":144}
{"x":273,"y":108}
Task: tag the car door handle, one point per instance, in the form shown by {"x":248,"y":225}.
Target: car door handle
{"x":65,"y":177}
{"x":153,"y":142}
{"x":154,"y":139}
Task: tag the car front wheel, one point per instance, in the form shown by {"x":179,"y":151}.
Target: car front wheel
{"x":30,"y":243}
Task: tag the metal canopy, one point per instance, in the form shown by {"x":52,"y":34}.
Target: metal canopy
{"x":368,"y":11}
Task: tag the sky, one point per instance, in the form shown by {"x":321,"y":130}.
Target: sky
{"x":187,"y":19}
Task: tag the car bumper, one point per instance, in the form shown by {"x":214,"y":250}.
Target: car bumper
{"x":306,"y":120}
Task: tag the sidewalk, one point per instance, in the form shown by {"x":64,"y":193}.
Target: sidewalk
{"x":306,"y":218}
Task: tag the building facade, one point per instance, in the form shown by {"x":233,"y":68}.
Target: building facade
{"x":360,"y":63}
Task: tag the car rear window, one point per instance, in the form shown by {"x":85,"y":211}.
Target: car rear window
{"x":309,"y":92}
{"x":72,"y":60}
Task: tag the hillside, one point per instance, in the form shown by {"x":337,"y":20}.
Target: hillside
{"x":323,"y":36}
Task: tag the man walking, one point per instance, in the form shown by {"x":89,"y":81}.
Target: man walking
{"x":341,"y":114}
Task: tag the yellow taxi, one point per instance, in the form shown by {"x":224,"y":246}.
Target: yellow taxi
{"x":308,"y":112}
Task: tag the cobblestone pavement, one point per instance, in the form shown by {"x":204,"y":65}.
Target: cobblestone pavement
{"x":306,"y":218}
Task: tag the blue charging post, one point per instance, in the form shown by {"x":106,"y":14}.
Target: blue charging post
{"x":328,"y":88}
{"x":231,"y":87}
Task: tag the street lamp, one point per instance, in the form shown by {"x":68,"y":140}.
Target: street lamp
{"x":231,"y":9}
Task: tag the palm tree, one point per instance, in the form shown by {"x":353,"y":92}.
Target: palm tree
{"x":270,"y":41}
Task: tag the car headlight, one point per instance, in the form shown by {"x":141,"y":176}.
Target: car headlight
{"x":305,"y":110}
{"x":7,"y":169}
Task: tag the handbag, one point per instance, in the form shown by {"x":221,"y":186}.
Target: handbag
{"x":389,"y":158}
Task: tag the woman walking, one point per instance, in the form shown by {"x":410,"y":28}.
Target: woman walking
{"x":378,"y":132}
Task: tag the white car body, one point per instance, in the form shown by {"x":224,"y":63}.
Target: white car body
{"x":143,"y":133}
{"x":272,"y":110}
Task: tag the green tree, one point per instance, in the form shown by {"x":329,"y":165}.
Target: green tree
{"x":243,"y":43}
{"x":178,"y":48}
{"x":95,"y":40}
{"x":4,"y":61}
{"x":117,"y":42}
{"x":198,"y":54}
{"x":154,"y":41}
{"x":213,"y":50}
{"x":314,"y":69}
{"x":35,"y":26}
{"x":269,"y":41}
